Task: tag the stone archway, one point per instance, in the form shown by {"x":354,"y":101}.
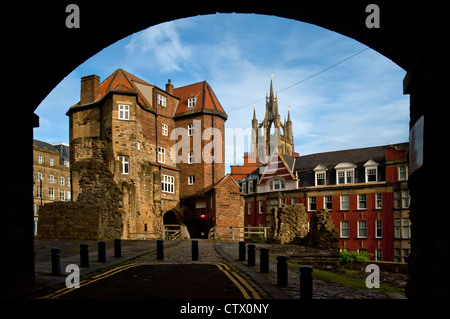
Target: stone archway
{"x":411,"y":34}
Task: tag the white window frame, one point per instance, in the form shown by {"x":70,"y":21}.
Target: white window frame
{"x":191,"y":180}
{"x":51,"y":162}
{"x":62,"y":194}
{"x":191,"y":158}
{"x":192,"y":101}
{"x":374,"y":170}
{"x":249,"y":208}
{"x":165,"y":129}
{"x":328,"y":199}
{"x":347,"y":229}
{"x":167,"y":183}
{"x":40,"y":159}
{"x":161,"y":154}
{"x":402,"y":172}
{"x":162,"y":100}
{"x":362,"y":227}
{"x":39,"y":192}
{"x":405,"y":198}
{"x":51,"y":193}
{"x":378,"y":254}
{"x":322,"y":175}
{"x":125,"y":161}
{"x":342,"y":201}
{"x":250,"y":186}
{"x":362,"y":201}
{"x":123,"y":112}
{"x":378,"y":200}
{"x":191,"y":129}
{"x":261,"y":207}
{"x":69,"y":195}
{"x":61,"y":181}
{"x":312,"y":203}
{"x":51,"y":179}
{"x":38,"y":177}
{"x":378,"y":227}
{"x":281,"y":184}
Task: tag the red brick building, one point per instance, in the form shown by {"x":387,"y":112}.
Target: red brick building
{"x":162,"y":148}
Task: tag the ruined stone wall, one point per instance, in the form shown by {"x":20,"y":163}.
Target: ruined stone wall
{"x":289,"y":224}
{"x":97,"y":211}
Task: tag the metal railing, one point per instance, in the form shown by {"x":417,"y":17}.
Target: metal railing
{"x":238,"y":232}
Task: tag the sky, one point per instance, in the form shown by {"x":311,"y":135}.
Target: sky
{"x":356,"y":103}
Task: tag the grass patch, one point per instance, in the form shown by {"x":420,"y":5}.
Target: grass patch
{"x":347,"y":280}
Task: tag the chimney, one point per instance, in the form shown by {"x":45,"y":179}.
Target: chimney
{"x":89,"y":89}
{"x":169,"y":88}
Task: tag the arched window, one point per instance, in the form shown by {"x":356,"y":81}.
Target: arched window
{"x":276,"y":184}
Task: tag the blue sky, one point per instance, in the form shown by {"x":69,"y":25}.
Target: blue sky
{"x":358,"y":103}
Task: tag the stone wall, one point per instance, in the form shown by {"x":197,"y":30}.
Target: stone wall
{"x":289,"y":224}
{"x":97,"y":212}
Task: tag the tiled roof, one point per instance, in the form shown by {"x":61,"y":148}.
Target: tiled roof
{"x":206,"y":100}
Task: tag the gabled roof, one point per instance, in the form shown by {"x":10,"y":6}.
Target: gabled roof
{"x":220,"y":181}
{"x":206,"y":100}
{"x":277,"y":167}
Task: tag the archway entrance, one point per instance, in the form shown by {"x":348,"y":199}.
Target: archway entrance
{"x":411,"y":34}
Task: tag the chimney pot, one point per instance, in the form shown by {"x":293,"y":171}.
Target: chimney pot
{"x":169,"y":87}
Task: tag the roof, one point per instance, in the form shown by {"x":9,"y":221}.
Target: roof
{"x":205,"y":100}
{"x":358,"y":156}
{"x":61,"y":148}
{"x":220,"y":181}
{"x":276,"y":167}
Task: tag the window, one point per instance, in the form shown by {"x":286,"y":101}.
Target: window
{"x":161,"y":154}
{"x":276,"y":184}
{"x":51,"y":193}
{"x":38,"y":177}
{"x":68,"y":182}
{"x":51,"y":179}
{"x":249,"y":208}
{"x":345,"y":173}
{"x":328,"y":202}
{"x":378,"y":229}
{"x":378,"y":254}
{"x":345,"y":202}
{"x":345,"y":229}
{"x":39,"y":159}
{"x":191,"y":129}
{"x":192,"y":101}
{"x":125,"y":164}
{"x":320,"y":178}
{"x":402,"y":228}
{"x":191,"y":180}
{"x":402,"y":173}
{"x":61,"y":181}
{"x":69,"y":195}
{"x":244,"y":187}
{"x":378,"y":201}
{"x":162,"y":100}
{"x":362,"y":229}
{"x":397,"y":199}
{"x":66,"y":163}
{"x":39,"y":192}
{"x":312,"y":203}
{"x":51,"y":161}
{"x":167,"y":184}
{"x":165,"y":130}
{"x":362,"y":201}
{"x":124,"y":112}
{"x":261,"y":207}
{"x":405,"y":198}
{"x":293,"y":200}
{"x":250,"y":186}
{"x":191,"y":158}
{"x":62,"y":194}
{"x":371,"y":175}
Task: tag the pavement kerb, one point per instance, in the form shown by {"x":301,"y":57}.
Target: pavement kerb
{"x":265,"y":284}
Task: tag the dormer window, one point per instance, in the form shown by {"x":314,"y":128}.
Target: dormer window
{"x":276,"y":184}
{"x":371,"y":171}
{"x":320,"y":173}
{"x":192,"y":101}
{"x":345,"y":173}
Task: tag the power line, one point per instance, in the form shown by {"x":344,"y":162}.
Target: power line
{"x":306,"y":79}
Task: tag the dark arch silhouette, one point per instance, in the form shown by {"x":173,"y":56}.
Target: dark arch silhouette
{"x":39,"y":51}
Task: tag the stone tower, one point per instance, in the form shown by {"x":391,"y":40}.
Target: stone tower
{"x":271,"y":134}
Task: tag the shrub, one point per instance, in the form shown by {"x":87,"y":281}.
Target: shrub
{"x":348,"y":257}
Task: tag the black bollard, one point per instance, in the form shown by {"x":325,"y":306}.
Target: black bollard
{"x":306,"y":285}
{"x":101,"y":252}
{"x":117,"y":247}
{"x":251,"y":254}
{"x":264,"y":260}
{"x":241,"y":250}
{"x":282,"y":271}
{"x":84,"y":255}
{"x":56,"y":261}
{"x":160,"y":249}
{"x":195,"y":250}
